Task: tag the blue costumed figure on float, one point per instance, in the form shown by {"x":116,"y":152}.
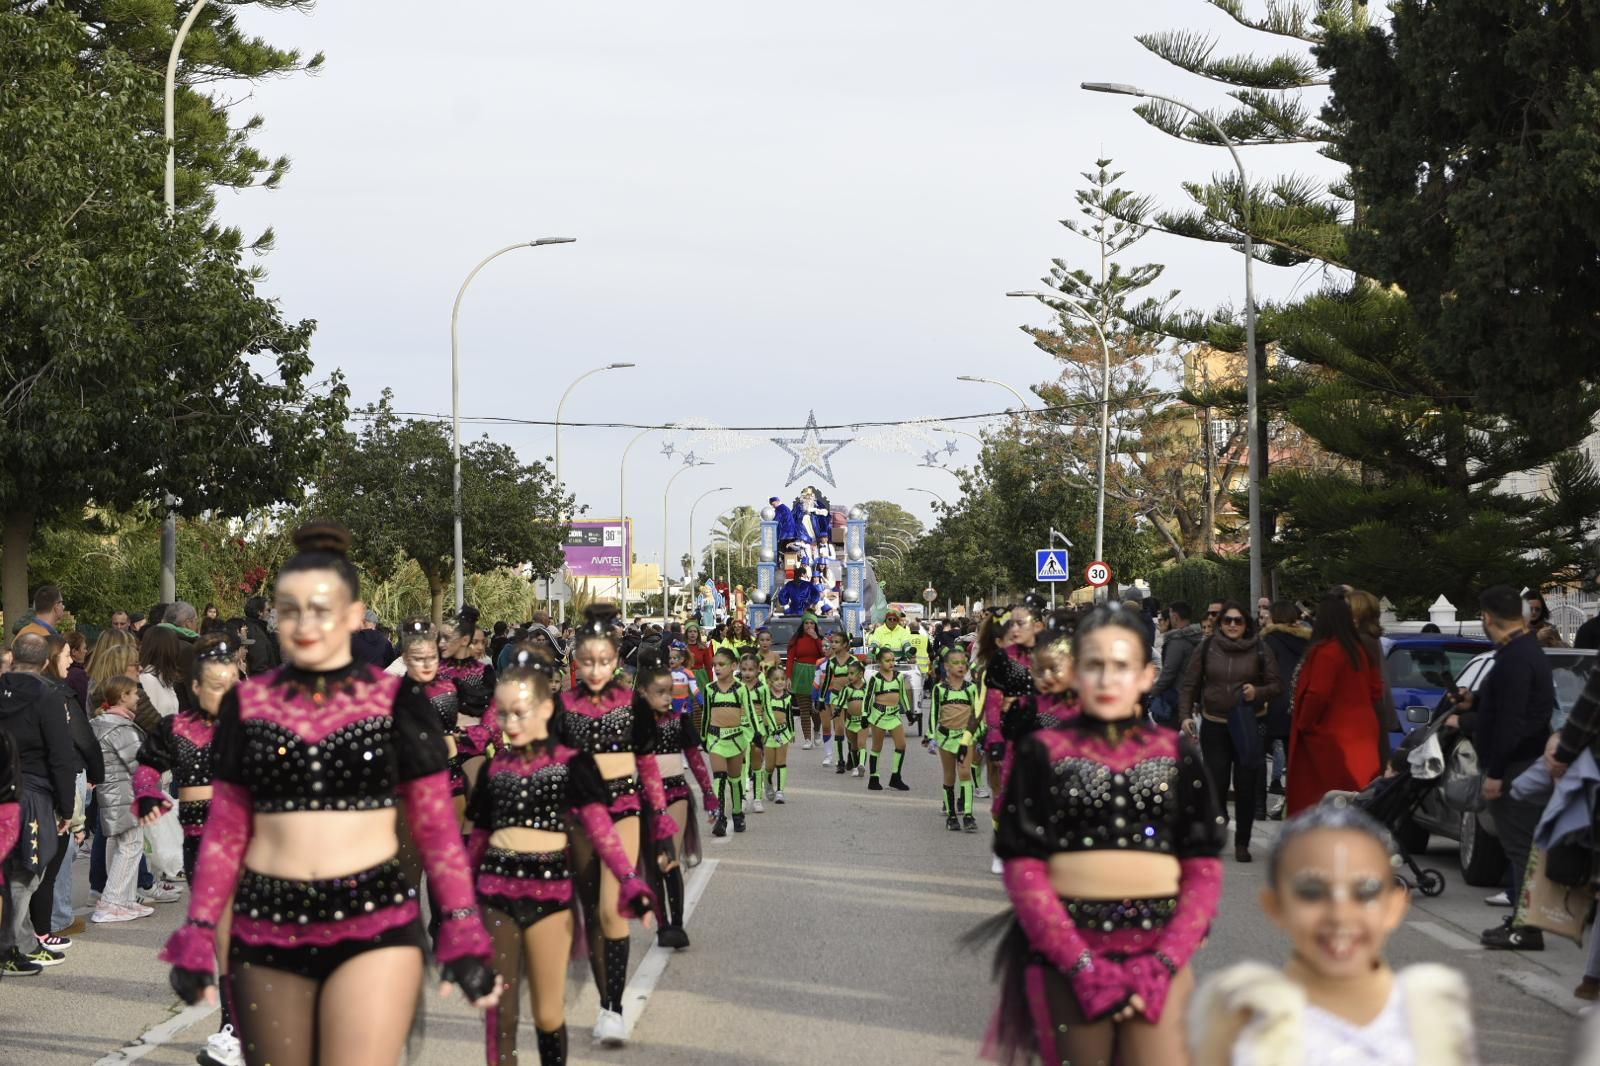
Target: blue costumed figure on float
{"x":799,"y":594}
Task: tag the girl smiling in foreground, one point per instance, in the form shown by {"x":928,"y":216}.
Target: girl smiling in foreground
{"x":1331,"y":887}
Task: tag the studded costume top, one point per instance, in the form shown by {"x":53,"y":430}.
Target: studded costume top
{"x":474,"y":683}
{"x":181,"y":744}
{"x":1042,"y":711}
{"x":536,"y":789}
{"x":1091,"y":785}
{"x":614,"y":721}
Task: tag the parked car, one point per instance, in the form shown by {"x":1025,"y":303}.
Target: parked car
{"x":1482,"y":861}
{"x":783,"y":628}
{"x":1420,"y":669}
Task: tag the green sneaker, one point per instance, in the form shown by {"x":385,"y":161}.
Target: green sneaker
{"x":15,"y":965}
{"x":45,"y":957}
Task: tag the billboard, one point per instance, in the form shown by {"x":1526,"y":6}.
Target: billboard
{"x":598,"y":547}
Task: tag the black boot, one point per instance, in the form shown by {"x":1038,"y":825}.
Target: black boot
{"x":616,"y":973}
{"x":671,"y":934}
{"x":899,"y":785}
{"x":738,"y":823}
{"x":552,"y":1046}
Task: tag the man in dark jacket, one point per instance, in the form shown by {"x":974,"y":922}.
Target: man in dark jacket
{"x":262,"y":655}
{"x":37,"y":717}
{"x":369,"y":645}
{"x":1183,"y":637}
{"x":1512,"y":725}
{"x":1286,"y":638}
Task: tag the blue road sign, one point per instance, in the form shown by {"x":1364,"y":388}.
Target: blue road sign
{"x":1050,"y":564}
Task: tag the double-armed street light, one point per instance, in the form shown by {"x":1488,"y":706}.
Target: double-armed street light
{"x":455,"y":398}
{"x":1252,"y":417}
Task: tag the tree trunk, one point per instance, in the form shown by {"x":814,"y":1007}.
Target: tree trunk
{"x":436,"y":592}
{"x":15,"y":537}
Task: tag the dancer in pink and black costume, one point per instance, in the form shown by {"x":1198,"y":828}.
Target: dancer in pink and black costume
{"x":531,"y":792}
{"x":310,"y":762}
{"x":1110,"y":835}
{"x":474,"y":680}
{"x":600,"y":717}
{"x":677,"y":748}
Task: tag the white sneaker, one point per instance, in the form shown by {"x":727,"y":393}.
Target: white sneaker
{"x":749,"y":789}
{"x":757,"y":807}
{"x":996,"y":867}
{"x":161,"y":892}
{"x":827,"y":756}
{"x":778,"y":797}
{"x":113,"y":913}
{"x":1499,"y":899}
{"x":609,"y":1030}
{"x":772,"y":793}
{"x":806,"y":746}
{"x":981,"y":793}
{"x":861,"y":771}
{"x":222,"y":1049}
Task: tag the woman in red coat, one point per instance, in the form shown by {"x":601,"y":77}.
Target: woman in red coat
{"x":804,"y":653}
{"x":1333,"y":730}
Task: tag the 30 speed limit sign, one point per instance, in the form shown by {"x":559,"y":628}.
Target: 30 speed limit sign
{"x":1098,"y":574}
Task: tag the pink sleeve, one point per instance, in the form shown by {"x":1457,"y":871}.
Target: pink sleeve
{"x":147,"y":786}
{"x":656,"y":795}
{"x":1100,"y":985}
{"x":10,"y":827}
{"x":228,"y":826}
{"x":697,"y":765}
{"x":994,"y":704}
{"x":603,"y":834}
{"x":1199,"y":891}
{"x":431,"y":814}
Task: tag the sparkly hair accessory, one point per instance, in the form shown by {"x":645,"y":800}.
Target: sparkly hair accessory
{"x":531,"y":659}
{"x":222,"y":651}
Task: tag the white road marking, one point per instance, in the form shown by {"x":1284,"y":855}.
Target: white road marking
{"x":157,"y":1035}
{"x":1541,"y":987}
{"x":654,"y":963}
{"x":1445,"y":936}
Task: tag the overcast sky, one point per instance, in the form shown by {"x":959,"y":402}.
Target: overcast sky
{"x":777,"y":210}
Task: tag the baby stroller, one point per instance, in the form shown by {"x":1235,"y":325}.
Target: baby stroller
{"x":1392,"y":800}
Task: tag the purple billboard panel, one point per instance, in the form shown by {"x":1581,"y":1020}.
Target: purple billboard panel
{"x":597,"y":547}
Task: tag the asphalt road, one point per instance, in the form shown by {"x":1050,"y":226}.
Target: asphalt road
{"x":825,"y":933}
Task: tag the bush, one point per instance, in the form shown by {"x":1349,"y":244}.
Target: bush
{"x":1198,"y":580}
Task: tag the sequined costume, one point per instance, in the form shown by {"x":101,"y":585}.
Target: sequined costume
{"x":543,"y":787}
{"x":955,"y":723}
{"x":444,"y":696}
{"x":1093,"y":785}
{"x":1006,"y":679}
{"x":474,"y":682}
{"x":180,"y":745}
{"x":350,"y":739}
{"x":678,"y":746}
{"x":612,"y":721}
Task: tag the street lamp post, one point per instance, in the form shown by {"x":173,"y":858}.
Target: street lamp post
{"x":666,"y":526}
{"x":622,"y":508}
{"x":563,"y":402}
{"x":1003,"y":385}
{"x":1105,"y":406}
{"x":1253,"y":415}
{"x":169,"y":524}
{"x":930,"y":492}
{"x":694,"y":560}
{"x":455,"y":398}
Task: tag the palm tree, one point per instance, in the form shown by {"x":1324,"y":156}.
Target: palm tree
{"x":738,"y":531}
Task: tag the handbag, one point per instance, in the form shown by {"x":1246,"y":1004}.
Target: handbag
{"x":1245,"y":731}
{"x":1463,"y":780}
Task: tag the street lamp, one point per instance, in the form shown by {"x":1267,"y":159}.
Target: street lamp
{"x":694,"y":560}
{"x":455,"y":398}
{"x":930,"y":492}
{"x":1003,"y":385}
{"x":666,"y":525}
{"x":169,"y":524}
{"x":563,"y":402}
{"x":622,"y":506}
{"x":1105,"y":404}
{"x":1253,"y":415}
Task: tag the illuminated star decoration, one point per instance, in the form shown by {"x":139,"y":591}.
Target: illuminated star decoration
{"x":668,"y":448}
{"x":930,"y":458}
{"x":811,"y":452}
{"x":951,"y":447}
{"x":689,"y":459}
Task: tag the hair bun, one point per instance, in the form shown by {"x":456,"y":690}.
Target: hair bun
{"x":323,"y":537}
{"x":468,"y":617}
{"x":599,"y":615}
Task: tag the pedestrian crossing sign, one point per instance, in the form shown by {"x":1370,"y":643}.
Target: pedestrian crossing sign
{"x":1050,"y":564}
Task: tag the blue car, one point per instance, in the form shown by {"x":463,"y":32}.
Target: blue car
{"x":1421,"y":668}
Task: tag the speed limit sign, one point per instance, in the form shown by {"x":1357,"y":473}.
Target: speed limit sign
{"x":1098,"y":574}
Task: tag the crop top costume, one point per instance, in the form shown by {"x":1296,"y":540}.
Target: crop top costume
{"x":774,"y":733}
{"x":1043,"y":710}
{"x":444,"y":697}
{"x":835,"y":678}
{"x":1006,"y":677}
{"x":955,"y":714}
{"x":351,"y":739}
{"x":1093,"y":785}
{"x":181,"y":744}
{"x":546,"y":787}
{"x":729,"y":742}
{"x":886,"y":699}
{"x":474,"y":683}
{"x":613,"y":721}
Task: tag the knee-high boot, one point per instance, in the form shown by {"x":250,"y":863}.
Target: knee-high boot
{"x":552,"y":1047}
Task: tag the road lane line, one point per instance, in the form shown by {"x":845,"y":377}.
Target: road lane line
{"x":1542,"y":988}
{"x":654,"y":963}
{"x":158,"y":1035}
{"x":1445,"y":936}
